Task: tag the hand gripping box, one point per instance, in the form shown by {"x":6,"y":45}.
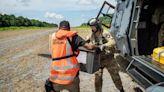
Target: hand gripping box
{"x":89,"y":60}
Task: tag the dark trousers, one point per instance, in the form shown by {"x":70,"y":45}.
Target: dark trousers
{"x":73,"y":87}
{"x":108,"y":62}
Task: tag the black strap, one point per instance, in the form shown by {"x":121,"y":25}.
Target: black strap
{"x":59,"y":58}
{"x":70,"y":42}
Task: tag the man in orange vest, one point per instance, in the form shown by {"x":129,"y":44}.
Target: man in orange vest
{"x":64,"y":72}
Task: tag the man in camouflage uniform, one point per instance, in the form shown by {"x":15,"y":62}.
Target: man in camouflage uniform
{"x":107,"y":45}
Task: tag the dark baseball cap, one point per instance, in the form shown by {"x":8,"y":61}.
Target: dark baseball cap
{"x":64,"y":25}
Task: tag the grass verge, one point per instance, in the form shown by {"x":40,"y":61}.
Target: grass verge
{"x":21,"y":28}
{"x":82,"y":31}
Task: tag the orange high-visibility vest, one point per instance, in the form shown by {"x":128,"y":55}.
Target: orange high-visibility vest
{"x":64,"y":67}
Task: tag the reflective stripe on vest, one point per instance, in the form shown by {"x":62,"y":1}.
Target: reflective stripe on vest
{"x":68,"y":52}
{"x":63,"y":78}
{"x":65,"y":67}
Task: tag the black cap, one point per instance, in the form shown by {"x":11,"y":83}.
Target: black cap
{"x":64,"y":25}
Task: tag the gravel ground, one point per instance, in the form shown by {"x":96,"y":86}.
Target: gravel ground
{"x":24,"y":65}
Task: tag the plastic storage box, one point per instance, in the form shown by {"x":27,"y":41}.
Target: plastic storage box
{"x":158,"y":55}
{"x":89,"y":60}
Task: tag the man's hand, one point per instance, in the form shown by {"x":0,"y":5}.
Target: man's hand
{"x":106,"y":49}
{"x":89,"y":46}
{"x":102,"y":47}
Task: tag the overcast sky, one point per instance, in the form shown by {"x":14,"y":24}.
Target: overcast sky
{"x":53,"y":11}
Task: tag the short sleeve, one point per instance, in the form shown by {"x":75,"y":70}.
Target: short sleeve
{"x":78,"y":41}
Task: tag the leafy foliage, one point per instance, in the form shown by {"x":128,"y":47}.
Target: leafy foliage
{"x":84,"y":25}
{"x":106,"y":20}
{"x":11,"y":20}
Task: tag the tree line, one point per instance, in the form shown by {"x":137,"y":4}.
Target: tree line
{"x":106,"y":19}
{"x":11,"y":20}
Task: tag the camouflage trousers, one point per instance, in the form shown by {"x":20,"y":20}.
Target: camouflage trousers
{"x":73,"y":87}
{"x":108,"y":62}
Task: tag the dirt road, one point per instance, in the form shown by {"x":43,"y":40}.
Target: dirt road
{"x":24,"y":65}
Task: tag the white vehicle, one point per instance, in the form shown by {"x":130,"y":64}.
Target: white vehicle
{"x":136,"y":26}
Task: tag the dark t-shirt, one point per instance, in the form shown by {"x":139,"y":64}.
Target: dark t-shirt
{"x":77,"y":41}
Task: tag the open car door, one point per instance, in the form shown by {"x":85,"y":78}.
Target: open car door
{"x":123,"y":23}
{"x":105,"y":14}
{"x":121,"y":20}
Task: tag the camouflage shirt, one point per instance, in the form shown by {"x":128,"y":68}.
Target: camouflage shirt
{"x":104,"y":39}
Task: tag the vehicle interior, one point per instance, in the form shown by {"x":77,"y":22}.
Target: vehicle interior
{"x":151,"y":26}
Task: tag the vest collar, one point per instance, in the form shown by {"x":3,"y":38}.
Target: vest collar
{"x":65,"y":33}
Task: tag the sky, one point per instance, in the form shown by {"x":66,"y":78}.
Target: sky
{"x":54,"y":11}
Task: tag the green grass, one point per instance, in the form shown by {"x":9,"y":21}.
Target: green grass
{"x":81,"y":27}
{"x":87,"y":27}
{"x":85,"y":31}
{"x":21,"y":28}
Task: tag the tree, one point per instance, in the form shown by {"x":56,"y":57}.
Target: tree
{"x":84,"y":24}
{"x":106,"y":20}
{"x":11,"y":20}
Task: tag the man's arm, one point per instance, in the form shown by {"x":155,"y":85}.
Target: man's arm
{"x":81,"y":42}
{"x":111,"y":42}
{"x":89,"y":46}
{"x":110,"y":46}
